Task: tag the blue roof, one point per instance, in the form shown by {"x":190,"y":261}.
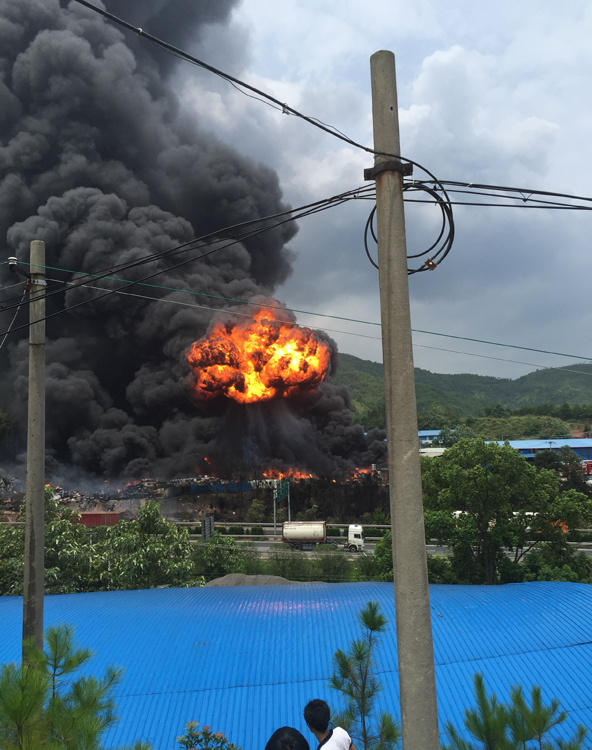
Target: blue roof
{"x":554,"y":443}
{"x":246,"y":659}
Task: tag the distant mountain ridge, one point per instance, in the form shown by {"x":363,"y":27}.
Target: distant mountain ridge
{"x":469,"y":393}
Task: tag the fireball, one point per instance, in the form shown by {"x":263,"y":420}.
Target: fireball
{"x":258,"y":358}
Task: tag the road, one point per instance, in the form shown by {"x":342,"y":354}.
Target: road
{"x":432,"y":549}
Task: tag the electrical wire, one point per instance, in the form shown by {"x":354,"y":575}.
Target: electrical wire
{"x":330,"y":330}
{"x":14,"y":318}
{"x":430,"y":264}
{"x":267,"y":98}
{"x":443,"y":242}
{"x":291,"y":214}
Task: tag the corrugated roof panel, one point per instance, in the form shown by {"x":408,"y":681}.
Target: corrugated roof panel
{"x":246,"y":660}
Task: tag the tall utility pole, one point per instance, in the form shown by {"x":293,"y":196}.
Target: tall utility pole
{"x":35,"y":500}
{"x":419,"y":715}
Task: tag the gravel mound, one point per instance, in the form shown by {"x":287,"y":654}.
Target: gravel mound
{"x":241,"y":579}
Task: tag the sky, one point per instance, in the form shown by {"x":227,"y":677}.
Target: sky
{"x":495,"y":93}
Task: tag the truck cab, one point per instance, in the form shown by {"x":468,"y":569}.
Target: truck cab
{"x":355,"y":538}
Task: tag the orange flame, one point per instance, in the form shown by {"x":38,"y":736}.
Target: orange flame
{"x":259,"y":358}
{"x":287,"y":474}
{"x":353,"y":475}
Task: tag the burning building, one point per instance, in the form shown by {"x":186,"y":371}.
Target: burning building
{"x":102,"y":162}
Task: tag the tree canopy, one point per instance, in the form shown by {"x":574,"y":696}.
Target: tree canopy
{"x":491,"y":507}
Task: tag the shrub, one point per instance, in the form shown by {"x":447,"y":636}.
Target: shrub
{"x":200,"y":739}
{"x":218,"y":557}
{"x":372,"y":531}
{"x":257,"y":512}
{"x":333,"y":531}
{"x":332,"y":565}
{"x":287,"y":563}
{"x":253,"y":564}
{"x":257,"y":531}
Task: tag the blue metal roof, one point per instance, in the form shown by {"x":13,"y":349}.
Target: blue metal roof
{"x":245,"y":660}
{"x":554,"y":444}
{"x":428,"y":433}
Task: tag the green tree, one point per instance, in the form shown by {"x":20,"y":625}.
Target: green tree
{"x":450,"y":436}
{"x":12,"y":554}
{"x":557,"y":562}
{"x":568,"y":467}
{"x":257,"y":512}
{"x":513,"y":726}
{"x":483,"y":500}
{"x":42,"y":705}
{"x":67,"y":549}
{"x":144,"y":553}
{"x":497,"y":410}
{"x":383,"y":558}
{"x":355,"y":678}
{"x":218,"y":556}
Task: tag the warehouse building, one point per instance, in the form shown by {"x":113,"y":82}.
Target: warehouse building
{"x":246,"y":659}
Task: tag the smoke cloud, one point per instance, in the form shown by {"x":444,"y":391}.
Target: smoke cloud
{"x":98,"y":159}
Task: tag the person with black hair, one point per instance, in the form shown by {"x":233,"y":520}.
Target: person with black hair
{"x":287,"y":738}
{"x":317,"y":715}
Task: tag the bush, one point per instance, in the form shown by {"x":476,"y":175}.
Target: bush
{"x":253,"y":564}
{"x":199,"y":739}
{"x":237,"y":531}
{"x":218,"y":557}
{"x":333,"y":531}
{"x":257,"y":512}
{"x":365,"y":568}
{"x":372,"y":531}
{"x":331,"y":565}
{"x":257,"y":531}
{"x":287,"y":563}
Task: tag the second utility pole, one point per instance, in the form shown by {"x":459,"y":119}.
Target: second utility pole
{"x":419,"y":715}
{"x":34,"y":578}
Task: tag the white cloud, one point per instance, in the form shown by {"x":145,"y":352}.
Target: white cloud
{"x":487,"y":93}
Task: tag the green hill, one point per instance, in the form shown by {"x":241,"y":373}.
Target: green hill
{"x":464,"y":395}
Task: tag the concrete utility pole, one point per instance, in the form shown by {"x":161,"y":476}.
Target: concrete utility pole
{"x":419,"y":715}
{"x":35,"y":500}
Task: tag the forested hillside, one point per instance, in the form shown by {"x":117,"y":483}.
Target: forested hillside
{"x":465,"y":395}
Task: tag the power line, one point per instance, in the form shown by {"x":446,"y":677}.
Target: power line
{"x":295,"y":310}
{"x":335,"y":317}
{"x":14,"y":318}
{"x":281,"y":106}
{"x":285,"y":108}
{"x":291,"y":214}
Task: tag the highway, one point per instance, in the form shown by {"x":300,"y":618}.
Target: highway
{"x":263,"y":546}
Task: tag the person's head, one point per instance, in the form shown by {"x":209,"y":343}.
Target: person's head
{"x":287,"y":738}
{"x":317,"y":714}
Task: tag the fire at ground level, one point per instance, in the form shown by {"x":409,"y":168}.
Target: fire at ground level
{"x":363,"y":495}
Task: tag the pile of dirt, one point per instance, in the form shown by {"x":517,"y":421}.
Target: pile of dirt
{"x":241,"y":579}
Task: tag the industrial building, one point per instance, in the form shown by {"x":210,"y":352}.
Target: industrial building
{"x":246,"y":659}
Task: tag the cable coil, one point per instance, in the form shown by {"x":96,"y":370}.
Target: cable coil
{"x":440,"y":248}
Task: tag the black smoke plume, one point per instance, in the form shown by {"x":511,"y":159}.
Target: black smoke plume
{"x":99,"y":160}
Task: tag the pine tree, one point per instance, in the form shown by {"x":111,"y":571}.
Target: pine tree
{"x":355,"y":678}
{"x":44,"y":707}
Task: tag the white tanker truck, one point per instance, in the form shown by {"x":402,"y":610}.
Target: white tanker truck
{"x":307,"y":534}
